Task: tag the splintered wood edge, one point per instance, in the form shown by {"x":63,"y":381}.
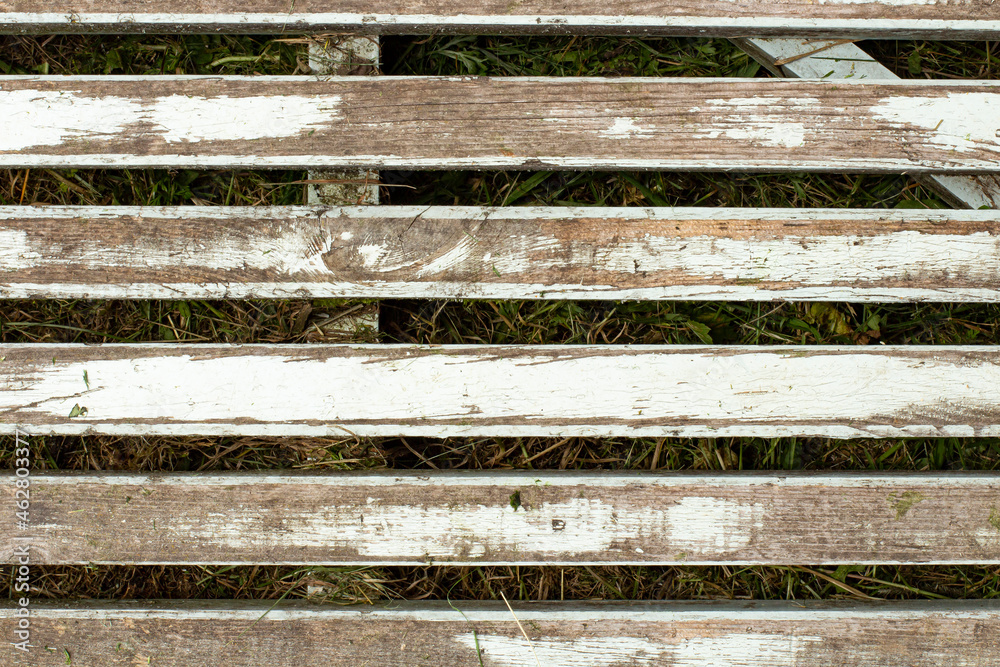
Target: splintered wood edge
{"x":500,"y":518}
{"x":503,"y":253}
{"x":491,"y":390}
{"x":785,"y":634}
{"x":819,"y":59}
{"x":420,"y":122}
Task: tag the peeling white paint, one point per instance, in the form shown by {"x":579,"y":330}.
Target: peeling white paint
{"x":292,"y":242}
{"x":16,"y":253}
{"x":848,"y":61}
{"x":785,"y":103}
{"x":819,"y":162}
{"x":757,"y":126}
{"x":840,"y":431}
{"x":51,"y":118}
{"x":975,"y":482}
{"x":656,"y":24}
{"x":371,"y":254}
{"x":626,"y":128}
{"x":768,"y":133}
{"x":744,"y":650}
{"x":297,"y":250}
{"x":672,"y":614}
{"x":224,"y":118}
{"x":756,"y":390}
{"x":453,"y":257}
{"x":711,"y":524}
{"x":421,"y":532}
{"x":957,"y":121}
{"x":728,"y":650}
{"x":294,"y":289}
{"x":827,"y":260}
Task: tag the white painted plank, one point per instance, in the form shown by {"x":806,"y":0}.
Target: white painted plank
{"x":508,"y":252}
{"x":856,"y":19}
{"x":728,"y":634}
{"x":833,"y":60}
{"x":482,"y":123}
{"x":486,"y":390}
{"x":469,"y":518}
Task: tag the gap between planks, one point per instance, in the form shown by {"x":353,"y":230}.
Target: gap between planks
{"x":493,"y":390}
{"x":508,"y":518}
{"x":514,"y":252}
{"x":607,"y":634}
{"x":418,"y":122}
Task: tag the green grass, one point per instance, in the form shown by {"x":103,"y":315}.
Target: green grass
{"x":492,"y":322}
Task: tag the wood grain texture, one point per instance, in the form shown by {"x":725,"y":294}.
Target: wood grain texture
{"x":491,"y":390}
{"x":405,"y":518}
{"x":833,"y":60}
{"x":482,"y":123}
{"x":957,"y":19}
{"x":781,"y":634}
{"x":513,"y":252}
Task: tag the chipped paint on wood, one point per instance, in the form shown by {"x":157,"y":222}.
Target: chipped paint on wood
{"x":501,"y":390}
{"x":729,"y":650}
{"x":799,"y":634}
{"x":480,"y":123}
{"x":840,"y":18}
{"x":833,"y":60}
{"x":960,"y":122}
{"x":406,"y":518}
{"x":51,"y":118}
{"x":520,"y":252}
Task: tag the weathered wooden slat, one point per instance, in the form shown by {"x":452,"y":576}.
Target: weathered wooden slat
{"x":833,"y":60}
{"x":512,"y":252}
{"x":959,"y":19}
{"x":481,"y":123}
{"x":536,"y":518}
{"x":730,"y":634}
{"x":834,"y":391}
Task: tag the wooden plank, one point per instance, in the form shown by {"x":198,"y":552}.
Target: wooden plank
{"x":729,"y":634}
{"x":518,"y":123}
{"x":811,"y":59}
{"x":523,"y":518}
{"x":879,"y":19}
{"x":480,"y":390}
{"x":514,"y":252}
